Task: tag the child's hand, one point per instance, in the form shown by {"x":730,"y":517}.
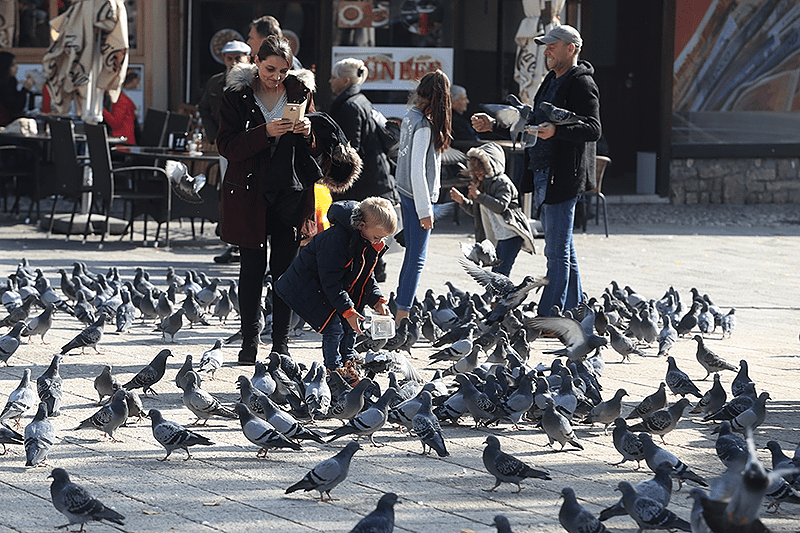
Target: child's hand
{"x":456,"y":195}
{"x":355,"y":322}
{"x":381,"y":308}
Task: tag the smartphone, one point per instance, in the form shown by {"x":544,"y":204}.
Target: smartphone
{"x":294,"y":112}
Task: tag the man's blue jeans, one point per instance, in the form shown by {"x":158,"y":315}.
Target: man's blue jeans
{"x":416,"y":253}
{"x":507,"y":250}
{"x":564,"y":288}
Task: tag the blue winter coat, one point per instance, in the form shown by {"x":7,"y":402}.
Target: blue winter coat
{"x":333,"y":272}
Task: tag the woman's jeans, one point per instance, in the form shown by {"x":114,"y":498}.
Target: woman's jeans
{"x":338,"y":340}
{"x":564,"y":287}
{"x":414,"y":258}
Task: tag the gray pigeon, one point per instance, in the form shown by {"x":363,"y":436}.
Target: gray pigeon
{"x":48,"y":386}
{"x":467,"y":363}
{"x":478,"y":403}
{"x":261,"y":433}
{"x":352,"y":402}
{"x":367,"y":422}
{"x":575,"y":518}
{"x":752,"y":417}
{"x":211,"y":360}
{"x":381,"y":520}
{"x":164,"y":306}
{"x":318,"y":393}
{"x":678,"y":381}
{"x":170,"y":326}
{"x":558,"y":428}
{"x":663,"y":421}
{"x":202,"y":403}
{"x":284,"y":422}
{"x":326,"y":475}
{"x":9,"y":343}
{"x":658,"y":488}
{"x":89,"y":337}
{"x":654,"y":456}
{"x":627,"y":443}
{"x":608,"y":411}
{"x":39,"y":437}
{"x":173,"y":436}
{"x":151,"y":374}
{"x":502,"y":524}
{"x":505,"y":467}
{"x":75,"y":502}
{"x":648,"y":513}
{"x":262,"y":376}
{"x":713,"y":399}
{"x":667,"y":337}
{"x":742,"y":379}
{"x":728,"y":323}
{"x":125,"y":313}
{"x":22,"y":400}
{"x":249,"y":396}
{"x":223,"y":307}
{"x":9,"y":436}
{"x":730,"y":447}
{"x":426,"y":427}
{"x":737,"y":405}
{"x":40,"y":324}
{"x":710,"y":516}
{"x":135,"y":407}
{"x":194,"y":311}
{"x":19,"y":313}
{"x":577,"y":343}
{"x":105,"y":384}
{"x":623,"y":345}
{"x":180,"y":377}
{"x":650,"y":404}
{"x":709,"y":360}
{"x":109,"y":417}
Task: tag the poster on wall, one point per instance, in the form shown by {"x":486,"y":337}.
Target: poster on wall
{"x":737,"y":63}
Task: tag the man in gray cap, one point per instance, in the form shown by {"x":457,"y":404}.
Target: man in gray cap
{"x":233,"y":52}
{"x":561,"y":165}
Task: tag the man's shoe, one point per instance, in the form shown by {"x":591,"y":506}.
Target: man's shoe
{"x":231,"y":255}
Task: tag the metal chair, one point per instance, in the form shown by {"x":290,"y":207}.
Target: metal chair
{"x":67,"y":172}
{"x":602,"y":163}
{"x":145,"y":189}
{"x":19,"y":170}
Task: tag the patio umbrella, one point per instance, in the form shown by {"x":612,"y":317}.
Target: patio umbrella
{"x":88,"y":57}
{"x":9,"y":15}
{"x":541,"y":16}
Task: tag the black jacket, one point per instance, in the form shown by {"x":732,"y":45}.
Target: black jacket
{"x":332,"y":273}
{"x":353,"y":112}
{"x":574,"y":146}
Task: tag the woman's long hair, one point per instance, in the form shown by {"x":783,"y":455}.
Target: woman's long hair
{"x":435,"y":88}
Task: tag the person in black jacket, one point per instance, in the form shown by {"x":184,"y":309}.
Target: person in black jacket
{"x":331,"y":280}
{"x":12,"y":100}
{"x":561,"y":165}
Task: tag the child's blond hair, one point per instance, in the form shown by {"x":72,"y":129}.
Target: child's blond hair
{"x":375,"y":210}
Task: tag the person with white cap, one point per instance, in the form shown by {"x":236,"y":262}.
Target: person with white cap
{"x":233,"y":53}
{"x":561,"y":165}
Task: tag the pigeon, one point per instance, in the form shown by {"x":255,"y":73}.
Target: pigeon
{"x":109,"y":417}
{"x":164,"y":306}
{"x":39,"y":437}
{"x":48,"y":386}
{"x":502,"y":524}
{"x":713,"y":399}
{"x":261,"y":433}
{"x":84,"y":311}
{"x":105,"y":384}
{"x":481,"y":253}
{"x":577,"y":344}
{"x":678,"y":381}
{"x":689,"y":320}
{"x":742,"y":379}
{"x":125,"y":313}
{"x":223,"y":307}
{"x":367,"y":422}
{"x":575,"y":518}
{"x":752,"y":417}
{"x":663,"y":421}
{"x":560,"y":116}
{"x":736,"y":406}
{"x":135,"y":407}
{"x":650,"y":404}
{"x":654,"y":456}
{"x":318,"y":393}
{"x":211,"y":360}
{"x":89,"y":337}
{"x":170,"y":326}
{"x":40,"y":324}
{"x":249,"y":395}
{"x":209,"y":295}
{"x":326,"y":475}
{"x":284,"y":422}
{"x":514,"y":298}
{"x":627,"y":443}
{"x":173,"y":436}
{"x":667,"y":337}
{"x":426,"y":427}
{"x":658,"y":488}
{"x":193,"y":310}
{"x":730,"y":447}
{"x":623,"y":345}
{"x":728,"y":323}
{"x":520,"y":401}
{"x":75,"y":502}
{"x":9,"y":436}
{"x":202,"y":403}
{"x":467,"y":363}
{"x":381,"y":520}
{"x":649,"y":513}
{"x":608,"y":411}
{"x":352,"y":402}
{"x":710,"y":516}
{"x":505,"y":467}
{"x":150,"y":374}
{"x":710,"y":360}
{"x":19,"y":313}
{"x":262,"y":376}
{"x":478,"y":403}
{"x":558,"y":428}
{"x":22,"y":400}
{"x":9,"y":343}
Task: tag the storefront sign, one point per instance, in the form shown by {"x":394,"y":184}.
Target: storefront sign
{"x":397,"y":68}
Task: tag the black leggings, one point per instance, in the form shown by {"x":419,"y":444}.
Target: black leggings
{"x":253,"y":267}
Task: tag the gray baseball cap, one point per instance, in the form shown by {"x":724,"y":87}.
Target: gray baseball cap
{"x":235,"y":47}
{"x":565,"y":33}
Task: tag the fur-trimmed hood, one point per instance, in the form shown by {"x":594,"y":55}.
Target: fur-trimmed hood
{"x":244,"y":74}
{"x":492,"y":157}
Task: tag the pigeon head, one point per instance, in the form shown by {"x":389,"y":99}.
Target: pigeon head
{"x":59,"y":474}
{"x":567,"y":493}
{"x":492,"y":442}
{"x":387,"y":502}
{"x":155,"y":416}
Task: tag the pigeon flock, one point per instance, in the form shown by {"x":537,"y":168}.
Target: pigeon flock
{"x":474,"y":386}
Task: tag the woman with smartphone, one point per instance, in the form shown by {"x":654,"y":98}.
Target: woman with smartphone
{"x":268,"y":187}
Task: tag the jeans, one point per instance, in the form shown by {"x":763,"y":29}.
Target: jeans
{"x":507,"y":251}
{"x":338,"y":340}
{"x":414,"y":258}
{"x":564,"y":288}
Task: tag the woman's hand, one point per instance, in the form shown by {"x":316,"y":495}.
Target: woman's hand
{"x":481,"y":122}
{"x":302,"y":127}
{"x":456,"y":195}
{"x":473,"y":191}
{"x":426,"y":223}
{"x":279,"y":126}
